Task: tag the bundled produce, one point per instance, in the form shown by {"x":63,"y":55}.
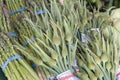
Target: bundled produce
{"x":15,"y":6}
{"x":58,"y":40}
{"x":98,"y":58}
{"x":51,"y":49}
{"x":13,"y":63}
{"x":5,"y":22}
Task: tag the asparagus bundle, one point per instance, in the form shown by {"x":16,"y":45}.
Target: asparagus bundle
{"x":15,"y":6}
{"x":12,"y":63}
{"x":5,"y":22}
{"x":51,"y":50}
{"x":16,"y":10}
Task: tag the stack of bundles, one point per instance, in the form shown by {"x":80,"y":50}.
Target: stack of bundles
{"x":55,"y":39}
{"x":12,"y":63}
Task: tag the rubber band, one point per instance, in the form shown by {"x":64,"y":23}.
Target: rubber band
{"x":20,"y":10}
{"x":9,"y":60}
{"x":33,"y":65}
{"x":11,"y":34}
{"x":40,"y":12}
{"x":23,"y":9}
{"x":28,"y":41}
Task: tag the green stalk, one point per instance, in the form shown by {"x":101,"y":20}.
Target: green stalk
{"x":60,"y":59}
{"x":103,"y":70}
{"x":69,"y":55}
{"x":73,"y":53}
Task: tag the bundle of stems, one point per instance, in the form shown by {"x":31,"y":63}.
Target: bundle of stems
{"x":23,"y":28}
{"x":98,"y":59}
{"x":5,"y":26}
{"x":14,"y":66}
{"x":32,"y":3}
{"x":15,"y":10}
{"x":14,"y":5}
{"x":51,"y":48}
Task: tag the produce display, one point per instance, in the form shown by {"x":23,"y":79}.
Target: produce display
{"x":60,"y":39}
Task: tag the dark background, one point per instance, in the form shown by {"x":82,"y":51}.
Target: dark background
{"x":2,"y":76}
